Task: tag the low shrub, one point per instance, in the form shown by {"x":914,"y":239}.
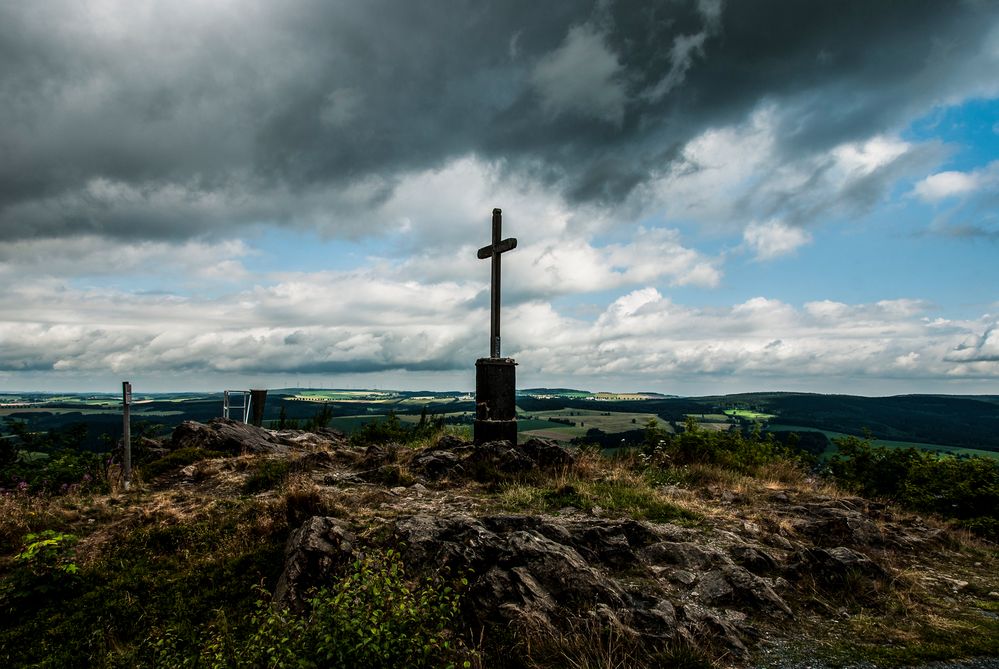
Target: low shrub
{"x":963,"y":488}
{"x":153,"y":582}
{"x":394,"y":430}
{"x":267,"y":475}
{"x":175,"y":460}
{"x":44,"y":569}
{"x":50,"y":462}
{"x":665,"y":453}
{"x":373,"y":617}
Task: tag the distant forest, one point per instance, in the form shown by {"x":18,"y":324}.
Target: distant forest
{"x":968,"y":422}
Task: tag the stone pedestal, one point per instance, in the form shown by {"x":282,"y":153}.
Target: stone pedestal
{"x":495,"y":400}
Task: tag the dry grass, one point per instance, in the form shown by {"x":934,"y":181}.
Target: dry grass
{"x":784,"y":474}
{"x":24,"y":514}
{"x":590,"y":464}
{"x":596,"y":643}
{"x":302,"y":498}
{"x":616,"y":489}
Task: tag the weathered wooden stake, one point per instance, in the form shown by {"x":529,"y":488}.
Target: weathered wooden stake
{"x":126,"y":402}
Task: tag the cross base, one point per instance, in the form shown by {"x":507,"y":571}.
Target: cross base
{"x":495,"y":400}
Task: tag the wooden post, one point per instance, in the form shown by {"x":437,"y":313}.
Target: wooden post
{"x":258,"y":398}
{"x":126,"y":401}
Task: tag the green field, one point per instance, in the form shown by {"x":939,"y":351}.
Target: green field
{"x":748,"y":415}
{"x":422,"y":401}
{"x":709,"y":417}
{"x":530,"y":424}
{"x":84,"y":411}
{"x":349,"y":424}
{"x":565,"y":433}
{"x":608,"y":421}
{"x":536,"y":423}
{"x":342,"y":396}
{"x":938,"y":448}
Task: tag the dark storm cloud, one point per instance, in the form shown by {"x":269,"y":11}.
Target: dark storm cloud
{"x":170,"y":120}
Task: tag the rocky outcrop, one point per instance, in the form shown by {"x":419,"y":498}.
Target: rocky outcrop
{"x":855,"y":522}
{"x":316,"y":552}
{"x":655,"y":584}
{"x":454,"y":459}
{"x":835,"y":567}
{"x":549,"y":573}
{"x":229,"y":436}
{"x":226,"y":436}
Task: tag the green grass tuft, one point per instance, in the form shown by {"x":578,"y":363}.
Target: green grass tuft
{"x":175,"y":460}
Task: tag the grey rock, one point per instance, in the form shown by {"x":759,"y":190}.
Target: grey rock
{"x":547,"y":454}
{"x":541,"y":572}
{"x":315,"y":552}
{"x":834,"y":566}
{"x":683,"y":553}
{"x":498,"y":456}
{"x":436,"y":464}
{"x":839,"y":527}
{"x":227,"y":436}
{"x":380,"y":454}
{"x":548,"y":574}
{"x":682,"y":576}
{"x":452,"y":458}
{"x":754,"y":558}
{"x":706,"y":623}
{"x":731,"y":584}
{"x":321,"y":439}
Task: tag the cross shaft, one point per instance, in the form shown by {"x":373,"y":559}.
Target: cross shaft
{"x":493,"y":251}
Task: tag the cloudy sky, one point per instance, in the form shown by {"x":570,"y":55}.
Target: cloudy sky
{"x":710,"y":196}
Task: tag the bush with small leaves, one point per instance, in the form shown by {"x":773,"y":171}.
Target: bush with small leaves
{"x":372,"y":617}
{"x":44,"y":569}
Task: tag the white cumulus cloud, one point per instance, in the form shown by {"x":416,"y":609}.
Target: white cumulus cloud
{"x":952,"y":183}
{"x":771,"y":239}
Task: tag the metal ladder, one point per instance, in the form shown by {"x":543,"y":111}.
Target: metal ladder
{"x":236,"y":399}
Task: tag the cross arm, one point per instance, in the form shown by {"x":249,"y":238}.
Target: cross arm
{"x":501,"y":247}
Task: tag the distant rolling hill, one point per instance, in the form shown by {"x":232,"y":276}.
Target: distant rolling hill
{"x":969,"y":422}
{"x":964,"y":421}
{"x":952,"y":420}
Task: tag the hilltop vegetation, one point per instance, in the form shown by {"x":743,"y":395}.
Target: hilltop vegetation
{"x":729,"y":528}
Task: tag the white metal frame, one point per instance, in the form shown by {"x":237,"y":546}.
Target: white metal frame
{"x":228,"y":404}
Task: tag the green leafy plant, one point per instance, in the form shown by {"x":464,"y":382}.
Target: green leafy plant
{"x":157,"y":582}
{"x":48,"y":551}
{"x":43,"y":570}
{"x":373,"y":617}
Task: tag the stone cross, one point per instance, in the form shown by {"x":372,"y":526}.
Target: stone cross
{"x":493,"y":251}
